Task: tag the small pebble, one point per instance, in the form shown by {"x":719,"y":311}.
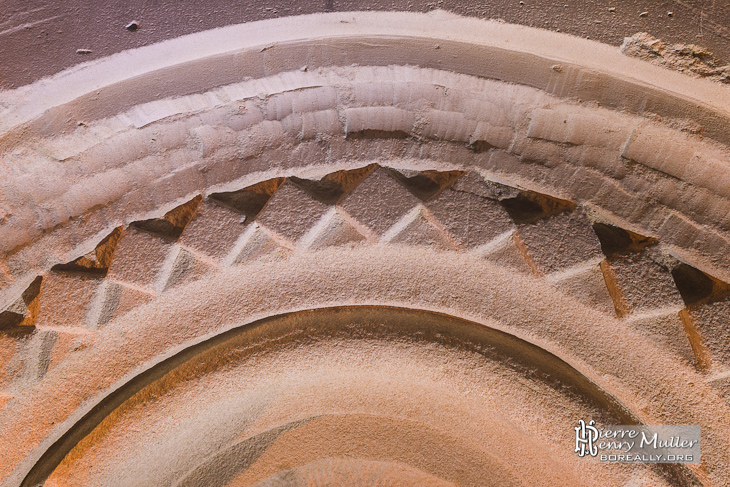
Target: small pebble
{"x":83,"y":51}
{"x":670,"y":14}
{"x":643,"y":14}
{"x":132,"y":26}
{"x":611,"y":9}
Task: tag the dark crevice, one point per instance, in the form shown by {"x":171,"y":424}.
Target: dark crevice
{"x":693,"y":284}
{"x":425,"y":184}
{"x":20,"y":318}
{"x":251,"y":200}
{"x":171,"y":226}
{"x":96,"y":262}
{"x":332,"y":188}
{"x":10,"y":319}
{"x":378,"y":134}
{"x":480,"y":146}
{"x":698,"y":288}
{"x":615,"y":240}
{"x":529,"y":207}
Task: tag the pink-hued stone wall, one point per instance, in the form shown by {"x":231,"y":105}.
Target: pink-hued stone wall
{"x":418,"y":247}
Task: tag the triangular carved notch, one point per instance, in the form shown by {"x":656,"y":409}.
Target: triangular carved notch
{"x":20,"y":317}
{"x":249,"y":201}
{"x":615,"y":240}
{"x":332,"y":188}
{"x":698,"y":288}
{"x":172,"y":224}
{"x":529,"y":207}
{"x":425,"y":184}
{"x":96,"y":261}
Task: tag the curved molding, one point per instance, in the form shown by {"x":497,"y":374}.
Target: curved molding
{"x":637,"y":174}
{"x":455,"y":284}
{"x":514,"y":349}
{"x":488,"y":49}
{"x":65,"y":128}
{"x":147,"y":133}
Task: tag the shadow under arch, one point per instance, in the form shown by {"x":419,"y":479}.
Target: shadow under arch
{"x":363,"y":322}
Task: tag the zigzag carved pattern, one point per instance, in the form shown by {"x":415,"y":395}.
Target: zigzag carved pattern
{"x":605,"y":267}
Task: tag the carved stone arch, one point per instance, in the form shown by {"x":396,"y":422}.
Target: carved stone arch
{"x":536,"y":184}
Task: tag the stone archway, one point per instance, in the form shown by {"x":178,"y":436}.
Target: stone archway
{"x":529,"y":182}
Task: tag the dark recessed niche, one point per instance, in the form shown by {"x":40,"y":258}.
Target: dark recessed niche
{"x":173,"y":223}
{"x":331,"y":188}
{"x":693,"y":284}
{"x":378,"y":134}
{"x":425,"y":184}
{"x":529,"y":207}
{"x":615,"y":240}
{"x":249,"y":201}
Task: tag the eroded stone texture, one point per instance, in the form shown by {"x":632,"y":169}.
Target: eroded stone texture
{"x":213,"y":230}
{"x":472,"y":219}
{"x":61,"y":345}
{"x":250,"y":200}
{"x":473,"y":183}
{"x":97,"y":261}
{"x":9,"y":348}
{"x":115,"y":299}
{"x":172,"y":223}
{"x":643,"y":285}
{"x":257,"y":242}
{"x":602,"y":177}
{"x":579,"y":126}
{"x":139,"y":257}
{"x":379,"y":201}
{"x":505,"y":251}
{"x":334,"y":229}
{"x":332,"y":187}
{"x":667,"y":330}
{"x":586,"y":284}
{"x":295,"y":123}
{"x":722,"y":384}
{"x":38,"y":355}
{"x":65,"y":298}
{"x":417,"y":228}
{"x":689,"y":58}
{"x":13,"y":315}
{"x":291,"y":212}
{"x":182,"y":266}
{"x":425,"y":184}
{"x":711,"y":321}
{"x":21,"y":315}
{"x":560,"y":242}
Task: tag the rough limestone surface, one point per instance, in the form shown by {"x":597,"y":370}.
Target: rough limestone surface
{"x":643,"y":284}
{"x":560,"y":242}
{"x":711,"y":321}
{"x":345,"y":240}
{"x":686,"y":58}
